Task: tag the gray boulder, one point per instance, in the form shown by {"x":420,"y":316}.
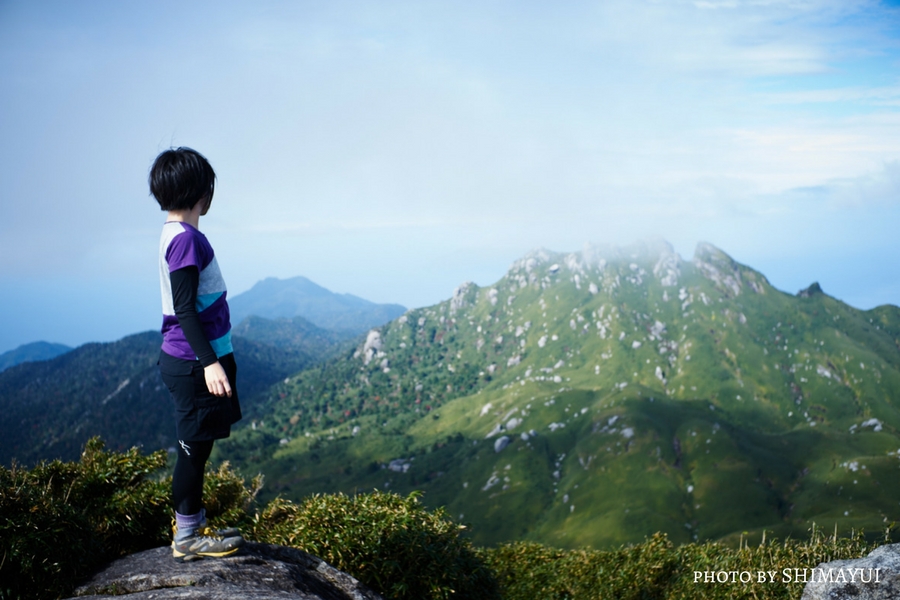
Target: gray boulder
{"x":256,"y":572}
{"x":875,"y":577}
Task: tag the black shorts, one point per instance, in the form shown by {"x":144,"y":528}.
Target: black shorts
{"x":199,"y":415}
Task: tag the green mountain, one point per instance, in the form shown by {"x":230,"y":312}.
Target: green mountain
{"x":31,"y":352}
{"x":597,"y":397}
{"x":113,"y":390}
{"x":274,"y":298}
{"x":294,"y":332}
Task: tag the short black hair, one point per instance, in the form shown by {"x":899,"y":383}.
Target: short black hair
{"x":180,"y":177}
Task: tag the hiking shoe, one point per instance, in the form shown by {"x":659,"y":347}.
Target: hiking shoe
{"x":222,"y":533}
{"x":226,"y":532}
{"x":205,"y":543}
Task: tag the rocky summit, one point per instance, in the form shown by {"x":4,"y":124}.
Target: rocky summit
{"x":597,"y":397}
{"x":257,"y":571}
{"x":874,"y":577}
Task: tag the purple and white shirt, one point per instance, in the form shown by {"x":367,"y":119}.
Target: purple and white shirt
{"x":180,"y":246}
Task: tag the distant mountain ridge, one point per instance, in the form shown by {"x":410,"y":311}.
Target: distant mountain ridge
{"x":50,"y":408}
{"x":596,"y":397}
{"x":31,"y":352}
{"x":274,"y":298}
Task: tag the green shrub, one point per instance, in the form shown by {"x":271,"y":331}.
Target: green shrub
{"x":226,"y":497}
{"x":655,"y":569}
{"x":389,"y":542}
{"x":773,"y":555}
{"x":530,"y":570}
{"x":60,"y":521}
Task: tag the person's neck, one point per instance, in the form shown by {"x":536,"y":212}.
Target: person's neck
{"x":191,"y":217}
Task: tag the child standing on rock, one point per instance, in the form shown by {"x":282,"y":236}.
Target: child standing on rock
{"x":196,"y":361}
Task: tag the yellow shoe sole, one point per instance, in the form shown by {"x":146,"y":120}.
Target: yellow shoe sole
{"x":185,"y":557}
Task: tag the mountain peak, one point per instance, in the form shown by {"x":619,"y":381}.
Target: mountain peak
{"x":541,"y":266}
{"x":599,"y":255}
{"x":813,"y":290}
{"x":706,"y":252}
{"x":728,"y":275}
{"x":274,"y":298}
{"x":532,"y":259}
{"x":31,"y":352}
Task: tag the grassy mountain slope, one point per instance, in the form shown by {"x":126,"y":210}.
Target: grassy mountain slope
{"x":51,"y":408}
{"x":598,"y":397}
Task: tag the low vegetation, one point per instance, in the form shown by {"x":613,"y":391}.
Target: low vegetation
{"x":657,"y":569}
{"x":60,"y":521}
{"x":390,"y":542}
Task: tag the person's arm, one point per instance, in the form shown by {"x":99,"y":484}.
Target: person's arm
{"x":184,"y":295}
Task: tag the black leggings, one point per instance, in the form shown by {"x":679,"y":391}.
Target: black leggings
{"x":187,"y":480}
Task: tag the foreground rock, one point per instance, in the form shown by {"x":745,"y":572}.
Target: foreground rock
{"x":256,"y":572}
{"x":875,"y":577}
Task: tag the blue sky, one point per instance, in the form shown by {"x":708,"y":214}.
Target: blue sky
{"x":393,"y":150}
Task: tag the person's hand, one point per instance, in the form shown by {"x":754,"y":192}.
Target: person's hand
{"x":217,"y":380}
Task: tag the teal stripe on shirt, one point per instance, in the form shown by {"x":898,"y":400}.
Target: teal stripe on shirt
{"x":204,"y":301}
{"x":222,"y":346}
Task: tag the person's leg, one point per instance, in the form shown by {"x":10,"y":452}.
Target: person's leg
{"x":192,"y":539}
{"x":187,"y":480}
{"x":187,"y":486}
{"x":192,"y":400}
{"x":187,"y":489}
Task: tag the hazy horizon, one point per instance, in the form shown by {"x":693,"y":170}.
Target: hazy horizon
{"x":449,"y":294}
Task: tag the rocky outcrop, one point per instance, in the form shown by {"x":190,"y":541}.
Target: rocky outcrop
{"x":257,"y":572}
{"x":875,"y":577}
{"x":372,"y":347}
{"x":463,"y":296}
{"x":718,"y":267}
{"x":813,"y":290}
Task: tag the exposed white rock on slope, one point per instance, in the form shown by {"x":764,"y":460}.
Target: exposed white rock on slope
{"x":371,"y":347}
{"x":718,"y":267}
{"x":460,"y":296}
{"x":668,"y":267}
